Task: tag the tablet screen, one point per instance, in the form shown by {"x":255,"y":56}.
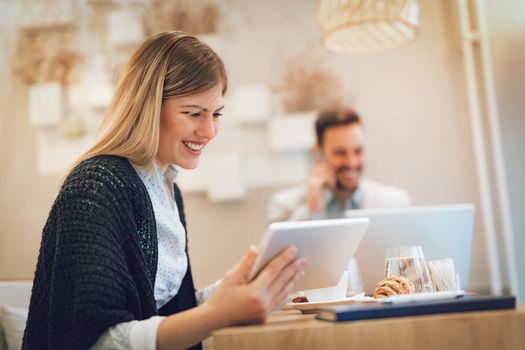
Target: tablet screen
{"x":328,"y":245}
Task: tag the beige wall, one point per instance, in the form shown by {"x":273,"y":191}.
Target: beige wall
{"x":412,"y":100}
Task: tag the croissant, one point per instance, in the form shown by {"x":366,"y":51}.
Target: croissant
{"x":392,"y":285}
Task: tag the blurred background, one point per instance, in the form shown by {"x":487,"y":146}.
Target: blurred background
{"x":59,"y":61}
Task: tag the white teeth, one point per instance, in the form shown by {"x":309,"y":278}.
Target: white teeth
{"x":194,"y":146}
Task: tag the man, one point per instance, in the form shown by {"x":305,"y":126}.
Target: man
{"x":335,"y":183}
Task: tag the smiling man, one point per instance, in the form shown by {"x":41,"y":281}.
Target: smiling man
{"x":336,"y":182}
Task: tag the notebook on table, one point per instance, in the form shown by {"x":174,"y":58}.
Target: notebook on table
{"x":354,"y":312}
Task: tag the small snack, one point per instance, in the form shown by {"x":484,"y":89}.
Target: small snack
{"x":392,"y":285}
{"x":302,"y":299}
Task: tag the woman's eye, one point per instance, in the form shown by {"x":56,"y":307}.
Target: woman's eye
{"x":216,"y":115}
{"x":193,"y":114}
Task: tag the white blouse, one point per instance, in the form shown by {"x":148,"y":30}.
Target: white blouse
{"x":170,"y":232}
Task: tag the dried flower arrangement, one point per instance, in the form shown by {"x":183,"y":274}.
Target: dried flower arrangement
{"x":44,"y":56}
{"x":190,"y":16}
{"x":307,"y":86}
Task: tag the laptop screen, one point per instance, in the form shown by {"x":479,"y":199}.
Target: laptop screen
{"x":442,"y":232}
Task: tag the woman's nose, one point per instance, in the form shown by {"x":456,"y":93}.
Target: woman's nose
{"x":207,"y":128}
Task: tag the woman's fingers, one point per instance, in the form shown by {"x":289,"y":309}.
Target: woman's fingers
{"x":285,"y":290}
{"x":244,"y":266}
{"x":266,"y":277}
{"x":286,"y":276}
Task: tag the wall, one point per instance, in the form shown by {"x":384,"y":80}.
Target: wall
{"x":412,"y":101}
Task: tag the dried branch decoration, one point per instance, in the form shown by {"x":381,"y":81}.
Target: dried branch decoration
{"x":192,"y":17}
{"x":307,"y":86}
{"x":44,"y":56}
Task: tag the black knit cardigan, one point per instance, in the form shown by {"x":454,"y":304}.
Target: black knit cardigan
{"x":98,"y":259}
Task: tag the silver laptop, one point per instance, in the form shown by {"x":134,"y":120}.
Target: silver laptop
{"x":442,"y":232}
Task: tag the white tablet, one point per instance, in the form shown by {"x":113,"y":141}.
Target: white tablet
{"x":328,"y":245}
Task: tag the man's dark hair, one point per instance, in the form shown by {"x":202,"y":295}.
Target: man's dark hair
{"x":334,"y":117}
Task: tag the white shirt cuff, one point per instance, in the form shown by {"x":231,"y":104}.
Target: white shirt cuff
{"x":204,"y":294}
{"x":143,"y":334}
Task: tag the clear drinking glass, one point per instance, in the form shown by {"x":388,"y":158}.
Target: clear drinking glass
{"x":409,"y":262}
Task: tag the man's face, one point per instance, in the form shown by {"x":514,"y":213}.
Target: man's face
{"x":344,"y":150}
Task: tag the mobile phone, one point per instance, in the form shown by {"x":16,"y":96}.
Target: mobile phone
{"x":318,"y":155}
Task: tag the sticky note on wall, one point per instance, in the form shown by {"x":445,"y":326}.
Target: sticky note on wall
{"x":45,"y":104}
{"x":225,"y":181}
{"x":125,"y":27}
{"x":251,"y":103}
{"x":292,"y":132}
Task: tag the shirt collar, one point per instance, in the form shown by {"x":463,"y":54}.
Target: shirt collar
{"x":171,"y":173}
{"x":147,"y":172}
{"x":354,"y":202}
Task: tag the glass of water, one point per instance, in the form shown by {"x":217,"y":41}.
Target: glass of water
{"x":409,"y":262}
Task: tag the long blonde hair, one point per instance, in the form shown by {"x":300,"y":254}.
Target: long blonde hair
{"x":164,"y":66}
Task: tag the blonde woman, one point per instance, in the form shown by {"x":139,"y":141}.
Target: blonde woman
{"x":113,"y":270}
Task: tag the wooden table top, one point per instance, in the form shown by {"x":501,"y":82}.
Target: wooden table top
{"x":289,"y":329}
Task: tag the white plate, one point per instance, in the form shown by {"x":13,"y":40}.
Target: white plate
{"x":311,"y":307}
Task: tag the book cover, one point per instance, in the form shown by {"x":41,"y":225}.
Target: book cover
{"x":413,"y":308}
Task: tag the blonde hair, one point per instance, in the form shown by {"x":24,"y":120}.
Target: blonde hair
{"x":166,"y":65}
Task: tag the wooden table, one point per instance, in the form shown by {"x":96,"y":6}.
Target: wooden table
{"x":290,"y":330}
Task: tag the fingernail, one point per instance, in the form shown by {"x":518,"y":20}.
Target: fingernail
{"x":293,"y":250}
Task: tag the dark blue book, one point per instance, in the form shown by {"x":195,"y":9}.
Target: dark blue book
{"x":413,"y":308}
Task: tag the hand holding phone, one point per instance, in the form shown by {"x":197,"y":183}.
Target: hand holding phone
{"x":322,"y":175}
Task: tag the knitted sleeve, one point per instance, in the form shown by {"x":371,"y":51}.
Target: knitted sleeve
{"x":84,"y":282}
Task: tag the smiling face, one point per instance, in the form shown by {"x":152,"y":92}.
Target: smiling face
{"x":343,"y":148}
{"x":187,"y":124}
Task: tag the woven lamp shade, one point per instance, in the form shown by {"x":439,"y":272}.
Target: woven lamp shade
{"x":367,"y":26}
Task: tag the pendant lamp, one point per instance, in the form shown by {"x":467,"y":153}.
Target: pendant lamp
{"x":367,"y":26}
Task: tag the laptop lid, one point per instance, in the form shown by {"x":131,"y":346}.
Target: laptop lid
{"x":442,"y":232}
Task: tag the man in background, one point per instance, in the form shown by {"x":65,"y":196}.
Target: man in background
{"x":336,"y":182}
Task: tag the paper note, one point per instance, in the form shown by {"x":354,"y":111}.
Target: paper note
{"x":96,"y":83}
{"x":251,"y":103}
{"x":55,"y":155}
{"x":225,"y":180}
{"x":292,"y":132}
{"x":45,"y":104}
{"x":125,"y":27}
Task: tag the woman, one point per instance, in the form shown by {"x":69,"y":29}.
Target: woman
{"x":113,"y":270}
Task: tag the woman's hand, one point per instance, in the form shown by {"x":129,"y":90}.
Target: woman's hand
{"x":235,"y":300}
{"x":238,"y":301}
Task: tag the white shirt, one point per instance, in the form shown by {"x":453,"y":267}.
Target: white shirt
{"x":170,"y":232}
{"x":290,"y":204}
{"x":171,"y":267}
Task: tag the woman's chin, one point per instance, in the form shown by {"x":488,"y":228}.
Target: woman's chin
{"x":189,"y":165}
